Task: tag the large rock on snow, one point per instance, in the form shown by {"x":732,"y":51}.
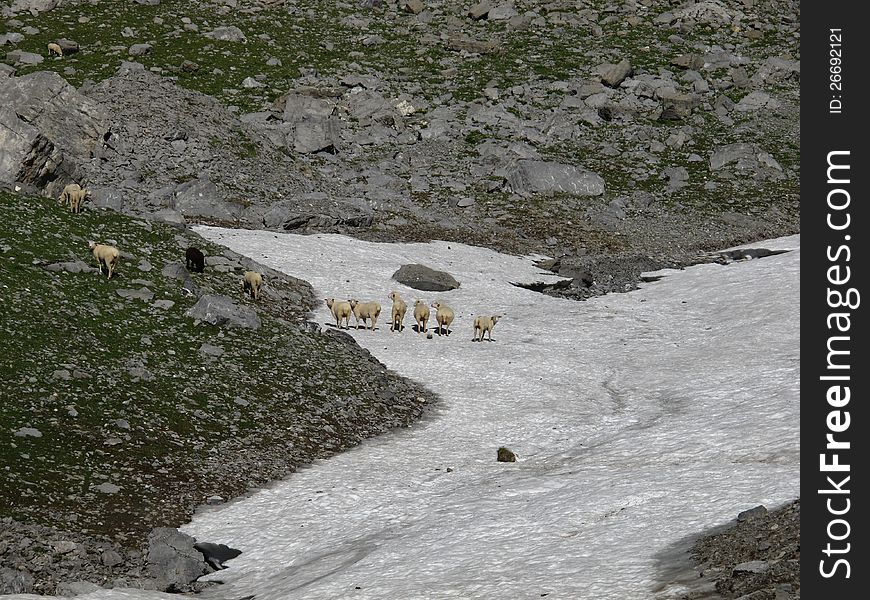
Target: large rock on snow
{"x":172,"y":560}
{"x":421,"y":277}
{"x":47,"y":129}
{"x":531,"y":176}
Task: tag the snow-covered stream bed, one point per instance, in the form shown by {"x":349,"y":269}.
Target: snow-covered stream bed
{"x":638,"y":419}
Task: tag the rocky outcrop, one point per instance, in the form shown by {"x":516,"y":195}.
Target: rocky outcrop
{"x":47,"y":130}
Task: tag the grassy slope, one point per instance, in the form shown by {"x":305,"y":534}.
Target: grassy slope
{"x":281,"y":395}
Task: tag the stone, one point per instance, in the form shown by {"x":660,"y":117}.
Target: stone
{"x":752,"y":513}
{"x":421,"y":277}
{"x":226,"y":34}
{"x":479,"y":10}
{"x":755,"y":101}
{"x":68,"y":46}
{"x":752,"y":566}
{"x":613,"y":75}
{"x":21,"y":57}
{"x":172,"y":559}
{"x":251,"y":83}
{"x":140,"y":49}
{"x":531,"y":176}
{"x":221,"y":310}
{"x":28,"y":432}
{"x":75,"y":588}
{"x":107,"y":488}
{"x":210,"y":350}
{"x":414,"y":6}
{"x":140,"y":294}
{"x":506,"y":455}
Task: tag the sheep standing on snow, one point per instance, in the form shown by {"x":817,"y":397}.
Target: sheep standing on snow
{"x":341,"y":310}
{"x":363,"y":311}
{"x":444,"y":316}
{"x":484,"y":325}
{"x":55,"y":49}
{"x":105,"y":255}
{"x":421,"y":315}
{"x":195,"y":259}
{"x":397,"y":315}
{"x":252,"y":282}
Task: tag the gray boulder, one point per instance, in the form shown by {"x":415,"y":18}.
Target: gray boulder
{"x":226,"y":34}
{"x":421,"y":277}
{"x":68,"y":46}
{"x":33,"y":5}
{"x":21,"y":57}
{"x":140,"y":49}
{"x":76,"y":588}
{"x":311,"y":125}
{"x":531,"y":176}
{"x":221,"y":310}
{"x":613,"y":75}
{"x":172,"y":560}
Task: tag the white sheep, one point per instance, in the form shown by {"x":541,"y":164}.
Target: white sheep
{"x":397,"y":315}
{"x":444,"y":316}
{"x":108,"y":255}
{"x":362,"y":311}
{"x":421,"y":315}
{"x":55,"y":49}
{"x":67,"y":190}
{"x":252,"y":282}
{"x":76,"y":197}
{"x":341,"y":310}
{"x":484,"y":325}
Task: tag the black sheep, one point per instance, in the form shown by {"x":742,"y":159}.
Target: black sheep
{"x":195,"y":260}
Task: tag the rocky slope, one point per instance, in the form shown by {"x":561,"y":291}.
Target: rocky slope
{"x":614,"y":136}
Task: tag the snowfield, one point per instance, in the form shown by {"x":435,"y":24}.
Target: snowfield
{"x":638,"y":419}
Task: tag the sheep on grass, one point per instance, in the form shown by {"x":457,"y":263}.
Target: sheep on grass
{"x":195,"y":259}
{"x":55,"y":49}
{"x":67,"y":190}
{"x":76,"y":197}
{"x":105,"y":255}
{"x":341,"y":310}
{"x":444,"y":316}
{"x":421,"y":315}
{"x":397,"y":315}
{"x":483,"y":325}
{"x":252,"y":283}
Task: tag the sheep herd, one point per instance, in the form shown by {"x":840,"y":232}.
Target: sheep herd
{"x":366,"y":313}
{"x":370,"y":311}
